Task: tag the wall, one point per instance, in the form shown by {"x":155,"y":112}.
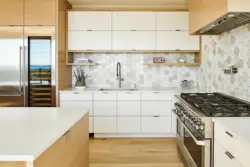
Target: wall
{"x":218,"y":53}
{"x":134,"y":71}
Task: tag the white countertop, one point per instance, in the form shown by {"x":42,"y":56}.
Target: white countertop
{"x":169,"y":89}
{"x":237,"y":125}
{"x":27,"y":132}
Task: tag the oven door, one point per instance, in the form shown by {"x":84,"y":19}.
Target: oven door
{"x":197,"y":148}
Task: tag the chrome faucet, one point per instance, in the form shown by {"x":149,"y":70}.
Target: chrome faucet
{"x":119,"y":74}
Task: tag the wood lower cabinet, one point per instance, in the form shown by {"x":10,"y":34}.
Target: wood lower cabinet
{"x":11,"y":12}
{"x":40,"y":12}
{"x":70,"y":150}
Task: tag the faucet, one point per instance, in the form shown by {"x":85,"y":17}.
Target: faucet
{"x":119,"y":74}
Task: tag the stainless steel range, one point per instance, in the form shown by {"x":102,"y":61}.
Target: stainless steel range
{"x":194,"y":112}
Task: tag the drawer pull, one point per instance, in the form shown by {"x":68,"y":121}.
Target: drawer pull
{"x":229,"y":134}
{"x":66,"y":133}
{"x":76,"y":93}
{"x":129,"y":92}
{"x":105,"y":92}
{"x":156,"y":92}
{"x":156,"y":116}
{"x":229,"y":155}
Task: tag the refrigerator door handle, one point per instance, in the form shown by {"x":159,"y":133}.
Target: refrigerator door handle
{"x":20,"y":70}
{"x":24,"y":74}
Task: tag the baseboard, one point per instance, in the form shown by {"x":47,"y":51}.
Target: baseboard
{"x":160,"y":135}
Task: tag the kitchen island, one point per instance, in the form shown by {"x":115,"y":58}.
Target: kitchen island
{"x":43,"y":137}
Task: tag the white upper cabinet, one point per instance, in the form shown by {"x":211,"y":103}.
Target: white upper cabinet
{"x":133,"y":40}
{"x":133,"y":21}
{"x":176,"y":40}
{"x":81,"y":20}
{"x":171,"y":21}
{"x":89,"y":40}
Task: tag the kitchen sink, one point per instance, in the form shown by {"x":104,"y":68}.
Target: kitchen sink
{"x":118,"y":89}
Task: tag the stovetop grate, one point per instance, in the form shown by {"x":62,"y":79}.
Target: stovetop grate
{"x":217,"y":105}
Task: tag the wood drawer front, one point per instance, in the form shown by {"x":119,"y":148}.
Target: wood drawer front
{"x":105,"y":108}
{"x":85,"y":105}
{"x":156,"y":108}
{"x":156,"y":96}
{"x":221,"y":159}
{"x":129,"y":124}
{"x":105,"y":124}
{"x":105,"y":96}
{"x":129,"y":96}
{"x":156,"y":124}
{"x":129,"y":108}
{"x":237,"y":147}
{"x":76,"y":96}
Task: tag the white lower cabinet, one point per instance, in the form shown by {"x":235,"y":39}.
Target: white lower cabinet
{"x":85,"y":105}
{"x":105,"y":108}
{"x":105,"y":124}
{"x":129,"y":108}
{"x":152,"y":108}
{"x":129,"y":124}
{"x":222,"y":157}
{"x":156,"y":124}
{"x":91,"y":126}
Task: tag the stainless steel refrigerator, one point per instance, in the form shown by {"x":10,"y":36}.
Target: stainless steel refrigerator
{"x":27,"y":66}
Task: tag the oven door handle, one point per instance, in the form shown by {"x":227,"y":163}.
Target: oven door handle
{"x":198,"y":142}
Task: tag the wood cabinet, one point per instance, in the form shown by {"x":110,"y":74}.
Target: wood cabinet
{"x":127,"y":21}
{"x":89,"y":40}
{"x":70,"y":150}
{"x":105,"y":124}
{"x":40,"y":12}
{"x":133,"y":40}
{"x":171,"y":21}
{"x":129,"y":124}
{"x":176,"y":40}
{"x":79,"y":20}
{"x":156,"y":124}
{"x":11,"y":12}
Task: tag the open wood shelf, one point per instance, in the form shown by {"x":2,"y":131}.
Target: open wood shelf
{"x":82,"y":64}
{"x":172,"y":64}
{"x":133,"y":51}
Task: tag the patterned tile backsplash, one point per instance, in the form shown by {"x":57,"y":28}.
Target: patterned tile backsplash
{"x":219,"y":52}
{"x":134,"y":71}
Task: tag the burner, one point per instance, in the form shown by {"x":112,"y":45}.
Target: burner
{"x":217,"y":105}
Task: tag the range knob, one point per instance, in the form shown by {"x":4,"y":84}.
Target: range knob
{"x":201,"y":127}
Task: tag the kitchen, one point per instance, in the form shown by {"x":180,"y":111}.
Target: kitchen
{"x":135,"y":75}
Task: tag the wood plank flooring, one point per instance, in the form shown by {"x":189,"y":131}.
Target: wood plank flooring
{"x":134,"y":153}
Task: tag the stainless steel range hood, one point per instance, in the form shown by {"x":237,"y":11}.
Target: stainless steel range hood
{"x":226,"y":23}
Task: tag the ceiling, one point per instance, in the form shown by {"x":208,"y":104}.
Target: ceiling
{"x":131,"y":4}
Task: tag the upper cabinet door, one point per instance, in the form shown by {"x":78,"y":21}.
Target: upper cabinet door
{"x":171,"y":21}
{"x":40,"y":12}
{"x":11,"y":12}
{"x":89,"y":20}
{"x":176,"y":40}
{"x":133,"y":40}
{"x":134,"y":21}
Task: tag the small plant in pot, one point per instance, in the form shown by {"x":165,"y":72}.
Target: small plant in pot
{"x":81,"y":78}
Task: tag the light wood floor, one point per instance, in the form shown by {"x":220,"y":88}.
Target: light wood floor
{"x":134,"y":153}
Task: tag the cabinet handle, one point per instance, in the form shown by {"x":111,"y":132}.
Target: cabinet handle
{"x":156,"y":92}
{"x":129,"y":92}
{"x":105,"y":92}
{"x":229,"y":134}
{"x":156,"y":116}
{"x":89,"y":30}
{"x":66,"y":133}
{"x":229,"y":155}
{"x":76,"y":92}
{"x":177,"y":30}
{"x":177,"y":49}
{"x":133,"y":49}
{"x":133,"y":30}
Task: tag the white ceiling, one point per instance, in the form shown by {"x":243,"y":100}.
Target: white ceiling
{"x":154,"y":4}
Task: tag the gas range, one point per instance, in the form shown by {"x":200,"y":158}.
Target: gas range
{"x":194,"y":112}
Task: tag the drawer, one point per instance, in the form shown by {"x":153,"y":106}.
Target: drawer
{"x":129,"y":108}
{"x":221,"y":157}
{"x":156,"y":108}
{"x":129,"y":124}
{"x":233,"y":144}
{"x":76,"y":95}
{"x":91,"y":125}
{"x":85,"y":105}
{"x":105,"y":96}
{"x":105,"y":125}
{"x":157,"y":124}
{"x":129,"y":96}
{"x":156,"y":96}
{"x":105,"y":108}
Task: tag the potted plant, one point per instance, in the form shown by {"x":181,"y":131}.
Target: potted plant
{"x":81,"y":78}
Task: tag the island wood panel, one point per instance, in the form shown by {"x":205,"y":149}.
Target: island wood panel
{"x":40,"y":12}
{"x":64,"y":72}
{"x":11,"y":12}
{"x":202,"y":13}
{"x":13,"y":164}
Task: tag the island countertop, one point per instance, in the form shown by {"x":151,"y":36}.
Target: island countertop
{"x":27,"y":132}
